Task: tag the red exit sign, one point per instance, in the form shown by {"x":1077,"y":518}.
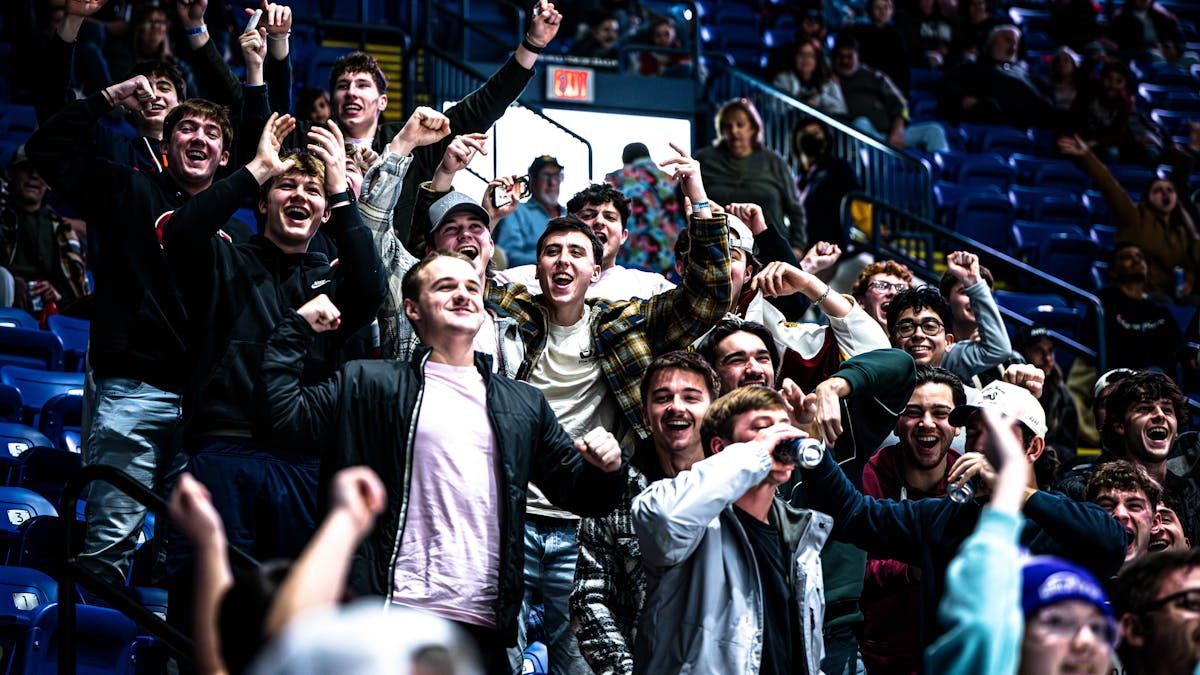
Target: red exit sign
{"x":570,"y":84}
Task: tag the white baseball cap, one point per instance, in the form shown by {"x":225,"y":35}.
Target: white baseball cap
{"x":1014,"y":401}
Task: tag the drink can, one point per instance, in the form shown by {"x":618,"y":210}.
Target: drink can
{"x":805,"y":452}
{"x":963,"y":492}
{"x":35,"y":300}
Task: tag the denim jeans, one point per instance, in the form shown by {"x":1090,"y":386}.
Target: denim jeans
{"x":842,"y":656}
{"x":927,"y":136}
{"x":132,"y":427}
{"x":550,"y":552}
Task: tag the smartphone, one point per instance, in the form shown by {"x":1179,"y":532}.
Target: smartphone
{"x":500,"y":196}
{"x":252,"y":24}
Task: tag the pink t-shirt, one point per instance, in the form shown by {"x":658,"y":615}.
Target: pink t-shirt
{"x":449,"y":560}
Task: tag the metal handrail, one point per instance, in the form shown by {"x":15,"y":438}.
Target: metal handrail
{"x":915,"y":224}
{"x":72,"y":573}
{"x":449,"y":61}
{"x":886,"y":173}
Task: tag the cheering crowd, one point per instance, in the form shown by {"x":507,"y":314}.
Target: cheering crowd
{"x":472,"y":425}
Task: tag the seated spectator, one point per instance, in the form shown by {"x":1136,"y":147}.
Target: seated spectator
{"x":655,"y":214}
{"x":1036,"y":346}
{"x":738,"y":168}
{"x":1140,"y":332}
{"x":760,"y":617}
{"x":1146,"y":31}
{"x":518,"y":234}
{"x":43,"y":256}
{"x":1127,"y":492}
{"x":876,"y":106}
{"x":1062,"y":623}
{"x":1063,"y":82}
{"x":881,"y":44}
{"x":914,"y":468}
{"x":996,"y":87}
{"x":312,"y":105}
{"x":1104,"y":117}
{"x":810,"y":79}
{"x":600,"y":41}
{"x":877,"y":284}
{"x":824,"y":181}
{"x":975,"y":22}
{"x":929,"y":31}
{"x":651,"y":63}
{"x":1158,"y":600}
{"x":1158,"y":224}
{"x":812,"y":27}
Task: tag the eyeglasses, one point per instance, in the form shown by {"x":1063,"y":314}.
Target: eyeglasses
{"x":551,"y":176}
{"x":884,"y":286}
{"x":1188,"y":601}
{"x":907,"y":328}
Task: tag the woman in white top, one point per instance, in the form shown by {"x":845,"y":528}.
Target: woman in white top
{"x":810,"y":80}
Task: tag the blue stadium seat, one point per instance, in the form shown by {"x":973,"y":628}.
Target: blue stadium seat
{"x":17,"y":318}
{"x":30,"y":348}
{"x":1025,"y":165}
{"x":46,"y":471}
{"x":104,"y":641}
{"x":11,"y":409}
{"x":946,"y":164}
{"x":1174,"y":122}
{"x":39,"y":386}
{"x":1153,"y":94}
{"x":1099,"y":274}
{"x":986,"y":217}
{"x":925,"y":80}
{"x":1028,"y":237}
{"x":1046,"y":309}
{"x":536,"y":659}
{"x":1183,"y":316}
{"x":987,"y":169}
{"x":1098,"y":205}
{"x":60,"y":421}
{"x":74,"y":336}
{"x":1062,"y":208}
{"x":1063,"y":176}
{"x":729,"y":14}
{"x":18,"y":505}
{"x":41,"y":543}
{"x":16,"y":438}
{"x":1005,"y":141}
{"x":1026,"y":198}
{"x":1105,"y":236}
{"x":1132,"y":177}
{"x":1184,"y":101}
{"x":1069,"y":255}
{"x":25,"y":590}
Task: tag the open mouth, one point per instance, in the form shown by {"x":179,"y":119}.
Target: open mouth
{"x":158,"y":106}
{"x":351,"y":109}
{"x":1158,"y":433}
{"x":602,"y":236}
{"x":196,"y":155}
{"x":677,"y":424}
{"x":469,"y":251}
{"x":927,"y":441}
{"x":562,"y":279}
{"x":297,"y":213}
{"x":1157,"y":545}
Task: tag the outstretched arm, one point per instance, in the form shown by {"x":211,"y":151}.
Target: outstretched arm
{"x":192,"y":511}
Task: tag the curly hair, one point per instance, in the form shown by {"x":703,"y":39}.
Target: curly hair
{"x":859,"y":290}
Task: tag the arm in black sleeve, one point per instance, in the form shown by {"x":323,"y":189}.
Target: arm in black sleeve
{"x":568,"y":481}
{"x":1088,"y":532}
{"x":216,"y":81}
{"x":63,"y":151}
{"x":255,"y":113}
{"x":277,"y":73}
{"x":881,"y":382}
{"x":361,"y":281}
{"x":773,"y":247}
{"x":297,"y":414}
{"x":188,"y":235}
{"x":54,"y":82}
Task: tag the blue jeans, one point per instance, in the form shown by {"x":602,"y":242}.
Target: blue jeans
{"x":131,"y":426}
{"x":842,"y":656}
{"x":928,"y":136}
{"x":550,"y":552}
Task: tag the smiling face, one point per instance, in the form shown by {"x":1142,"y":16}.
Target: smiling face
{"x":1168,"y":535}
{"x":1132,"y":510}
{"x":924,"y":428}
{"x":294,"y":208}
{"x":664,"y":34}
{"x":1149,"y":429}
{"x":357,"y":103}
{"x":450,"y":303}
{"x":194,"y":151}
{"x":806,"y":60}
{"x":467,"y":234}
{"x":1067,"y":637}
{"x":566,"y":266}
{"x":926,"y":350}
{"x":154,"y":112}
{"x":739,"y":272}
{"x":605,"y":221}
{"x":676,"y":401}
{"x":547,"y":184}
{"x":743,"y":359}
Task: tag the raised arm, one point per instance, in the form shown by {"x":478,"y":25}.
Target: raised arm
{"x":1124,"y":210}
{"x":277,"y":18}
{"x":299,"y":413}
{"x":192,"y":511}
{"x":213,"y":74}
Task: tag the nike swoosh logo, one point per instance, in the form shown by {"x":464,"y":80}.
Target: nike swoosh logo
{"x":319,"y":283}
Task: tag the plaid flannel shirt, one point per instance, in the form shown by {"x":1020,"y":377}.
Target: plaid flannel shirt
{"x":627,"y":334}
{"x":610,"y":584}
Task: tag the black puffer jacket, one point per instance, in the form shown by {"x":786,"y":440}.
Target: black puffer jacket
{"x":367,"y":415}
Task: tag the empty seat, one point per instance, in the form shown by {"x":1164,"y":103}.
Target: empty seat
{"x":46,"y":471}
{"x":17,"y":318}
{"x":1099,"y":274}
{"x":1061,"y":175}
{"x":1105,"y":236}
{"x":39,"y":386}
{"x":1069,"y":256}
{"x":1029,"y":235}
{"x":30,"y":348}
{"x":1025,"y":165}
{"x":1064,"y":209}
{"x":1132,"y":177}
{"x":16,"y":438}
{"x":74,"y":336}
{"x":1005,"y":141}
{"x":18,"y":505}
{"x":1098,"y":205}
{"x":988,"y":169}
{"x":986,"y":217}
{"x":60,"y":421}
{"x":41,"y":543}
{"x":1026,"y":197}
{"x":104,"y":641}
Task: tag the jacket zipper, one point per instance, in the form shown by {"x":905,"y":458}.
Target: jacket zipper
{"x":412,"y":435}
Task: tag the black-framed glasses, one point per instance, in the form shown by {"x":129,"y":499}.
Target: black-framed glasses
{"x":885,"y":286}
{"x":907,"y":328}
{"x":1188,"y":601}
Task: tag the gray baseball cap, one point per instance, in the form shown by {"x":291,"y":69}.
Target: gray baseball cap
{"x":452,"y":203}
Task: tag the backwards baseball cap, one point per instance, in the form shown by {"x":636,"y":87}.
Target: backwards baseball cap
{"x":1046,"y":580}
{"x":19,"y":157}
{"x":1111,"y":377}
{"x":1029,"y":335}
{"x":740,"y":235}
{"x":541,"y":162}
{"x":1009,"y":399}
{"x":453,"y":203}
